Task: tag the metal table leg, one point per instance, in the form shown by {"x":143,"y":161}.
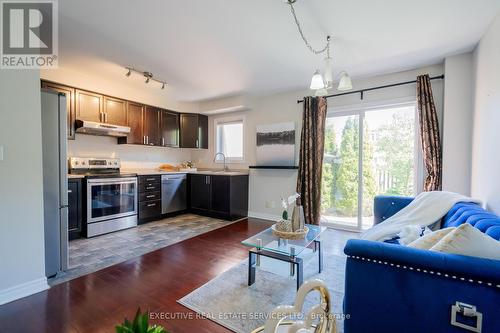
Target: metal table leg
{"x":317,"y":246}
{"x":251,"y":267}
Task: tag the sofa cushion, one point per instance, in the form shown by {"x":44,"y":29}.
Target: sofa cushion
{"x":469,"y":241}
{"x":494,"y":232}
{"x":429,"y":240}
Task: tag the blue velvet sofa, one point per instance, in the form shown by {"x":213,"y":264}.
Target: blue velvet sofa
{"x":394,"y":288}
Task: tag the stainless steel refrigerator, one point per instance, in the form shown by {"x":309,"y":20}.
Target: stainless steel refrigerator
{"x":55,"y":181}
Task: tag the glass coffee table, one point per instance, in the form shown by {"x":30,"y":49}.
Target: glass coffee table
{"x":268,"y":245}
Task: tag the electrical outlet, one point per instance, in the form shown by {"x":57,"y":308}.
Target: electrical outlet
{"x":1,"y":153}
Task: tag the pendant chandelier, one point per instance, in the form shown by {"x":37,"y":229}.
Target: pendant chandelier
{"x":321,"y":82}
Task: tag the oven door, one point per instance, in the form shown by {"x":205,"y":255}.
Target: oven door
{"x":111,"y":198}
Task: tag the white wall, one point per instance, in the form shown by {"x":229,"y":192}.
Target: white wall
{"x":268,"y":186}
{"x":486,"y":138}
{"x":457,"y":131}
{"x":132,"y":156}
{"x":22,"y":256}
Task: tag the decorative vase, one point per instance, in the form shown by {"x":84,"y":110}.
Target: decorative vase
{"x":298,"y":219}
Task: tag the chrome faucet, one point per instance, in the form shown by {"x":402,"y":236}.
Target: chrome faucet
{"x":224,"y":156}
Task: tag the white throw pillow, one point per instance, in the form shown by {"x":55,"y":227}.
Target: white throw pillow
{"x":469,"y":241}
{"x":430,"y":239}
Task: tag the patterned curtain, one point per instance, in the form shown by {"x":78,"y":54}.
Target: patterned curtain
{"x":429,"y":134}
{"x":312,"y":141}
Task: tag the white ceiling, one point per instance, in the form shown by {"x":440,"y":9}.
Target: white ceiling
{"x":207,"y":49}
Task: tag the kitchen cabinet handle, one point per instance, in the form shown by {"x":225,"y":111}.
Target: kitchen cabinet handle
{"x":144,"y":139}
{"x":197,"y":143}
{"x":208,"y":178}
{"x":147,"y":139}
{"x":70,"y":191}
{"x":150,"y":179}
{"x":151,"y":205}
{"x":150,"y":188}
{"x":105,"y":117}
{"x":162,"y":141}
{"x":150,"y":196}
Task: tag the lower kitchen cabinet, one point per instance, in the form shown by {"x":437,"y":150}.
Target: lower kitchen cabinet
{"x":75,"y":203}
{"x":200,"y":192}
{"x":149,"y":198}
{"x":219,"y":196}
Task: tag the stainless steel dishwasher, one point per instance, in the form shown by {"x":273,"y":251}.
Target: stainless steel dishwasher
{"x":173,"y":193}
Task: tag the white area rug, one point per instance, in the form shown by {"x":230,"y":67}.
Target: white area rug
{"x":229,"y":301}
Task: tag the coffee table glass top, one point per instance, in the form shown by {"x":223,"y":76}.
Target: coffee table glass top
{"x":270,"y":242}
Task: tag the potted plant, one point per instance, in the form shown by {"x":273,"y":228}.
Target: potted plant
{"x":140,"y":324}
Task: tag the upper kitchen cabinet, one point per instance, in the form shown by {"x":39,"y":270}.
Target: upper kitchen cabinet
{"x":135,"y":119}
{"x":151,"y":126}
{"x":89,"y":106}
{"x":115,"y":111}
{"x":70,"y":104}
{"x":193,"y":131}
{"x":202,"y":131}
{"x":169,"y":127}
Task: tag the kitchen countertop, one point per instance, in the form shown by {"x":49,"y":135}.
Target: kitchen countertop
{"x":143,"y":172}
{"x":75,"y":176}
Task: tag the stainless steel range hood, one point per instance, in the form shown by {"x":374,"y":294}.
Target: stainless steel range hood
{"x":93,"y":128}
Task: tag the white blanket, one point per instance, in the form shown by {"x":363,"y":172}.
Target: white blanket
{"x":424,"y":210}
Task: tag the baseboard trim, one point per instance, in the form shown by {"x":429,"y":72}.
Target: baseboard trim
{"x":22,"y":290}
{"x":264,"y":216}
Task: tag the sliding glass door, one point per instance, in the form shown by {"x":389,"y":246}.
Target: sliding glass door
{"x":376,"y":146}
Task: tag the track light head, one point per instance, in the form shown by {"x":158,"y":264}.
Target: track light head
{"x":148,"y":76}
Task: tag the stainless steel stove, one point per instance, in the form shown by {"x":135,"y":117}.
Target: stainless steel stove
{"x":111,"y":196}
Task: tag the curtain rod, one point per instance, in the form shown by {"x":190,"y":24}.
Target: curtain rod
{"x":362,"y":91}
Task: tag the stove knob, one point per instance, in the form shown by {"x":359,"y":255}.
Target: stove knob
{"x":83,"y":163}
{"x":76,"y":162}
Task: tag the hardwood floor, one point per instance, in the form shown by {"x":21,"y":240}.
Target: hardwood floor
{"x":154,"y":281}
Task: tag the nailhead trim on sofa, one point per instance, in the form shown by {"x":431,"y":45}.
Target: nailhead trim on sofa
{"x":424,"y":271}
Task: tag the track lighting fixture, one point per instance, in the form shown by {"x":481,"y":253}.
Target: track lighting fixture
{"x":147,"y":75}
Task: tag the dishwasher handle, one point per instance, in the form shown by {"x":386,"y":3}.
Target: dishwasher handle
{"x":165,"y":178}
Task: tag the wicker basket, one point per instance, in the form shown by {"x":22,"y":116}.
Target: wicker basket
{"x":301,"y":234}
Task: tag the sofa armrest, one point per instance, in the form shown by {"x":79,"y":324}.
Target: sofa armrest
{"x":477,"y":269}
{"x":392,"y":288}
{"x":384,"y":206}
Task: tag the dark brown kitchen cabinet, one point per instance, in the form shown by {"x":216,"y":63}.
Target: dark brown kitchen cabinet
{"x":149,"y":198}
{"x":115,"y":111}
{"x":135,"y":119}
{"x":200,"y":192}
{"x":202,"y":131}
{"x":75,"y":202}
{"x":193,"y":131}
{"x":70,"y":104}
{"x":151,"y":126}
{"x":169,"y":128}
{"x":219,"y":196}
{"x":89,"y":106}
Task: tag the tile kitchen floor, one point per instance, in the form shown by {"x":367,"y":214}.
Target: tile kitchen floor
{"x":87,"y":255}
